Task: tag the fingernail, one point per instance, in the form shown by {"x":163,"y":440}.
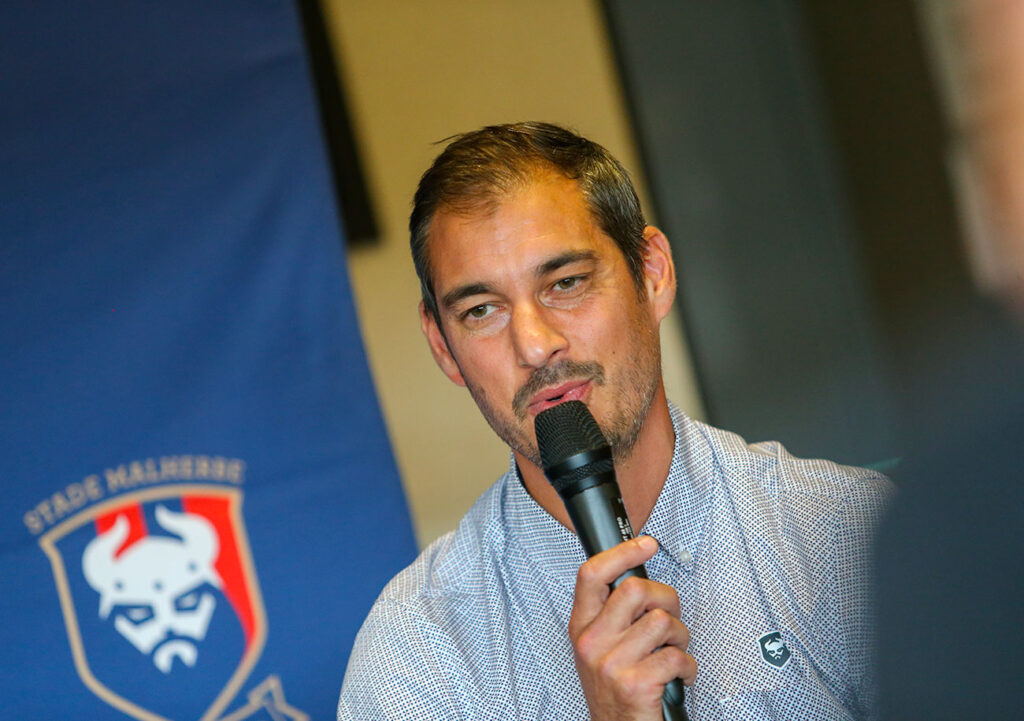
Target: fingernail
{"x":648,"y":543}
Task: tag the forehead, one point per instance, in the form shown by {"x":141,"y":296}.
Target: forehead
{"x":545,"y":217}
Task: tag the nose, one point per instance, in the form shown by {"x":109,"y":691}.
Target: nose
{"x":535,"y":337}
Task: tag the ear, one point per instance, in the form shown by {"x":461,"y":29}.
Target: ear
{"x":659,"y":271}
{"x":439,"y":347}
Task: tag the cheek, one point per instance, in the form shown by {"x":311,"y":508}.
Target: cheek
{"x":612,"y":331}
{"x":484,"y":362}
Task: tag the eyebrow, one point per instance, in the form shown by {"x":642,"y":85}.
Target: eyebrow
{"x":462,"y":292}
{"x":563,"y":259}
{"x":455,"y":295}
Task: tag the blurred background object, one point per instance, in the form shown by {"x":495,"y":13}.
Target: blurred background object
{"x":949,"y":551}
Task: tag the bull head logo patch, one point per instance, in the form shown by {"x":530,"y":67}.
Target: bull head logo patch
{"x":774,"y":650}
{"x":160,"y":600}
{"x":158,"y":586}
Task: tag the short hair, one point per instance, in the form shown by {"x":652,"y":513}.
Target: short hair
{"x":476,"y":169}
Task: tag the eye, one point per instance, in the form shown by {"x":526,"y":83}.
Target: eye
{"x":136,"y":614}
{"x":188,"y":602}
{"x":570,"y":286}
{"x":479,"y":311}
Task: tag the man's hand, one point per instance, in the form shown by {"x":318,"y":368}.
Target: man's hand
{"x":629,"y":642}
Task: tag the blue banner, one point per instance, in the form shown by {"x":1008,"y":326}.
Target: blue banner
{"x":199,"y":499}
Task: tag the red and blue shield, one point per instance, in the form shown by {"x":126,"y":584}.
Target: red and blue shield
{"x":160,"y":600}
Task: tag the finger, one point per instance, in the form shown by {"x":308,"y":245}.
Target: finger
{"x":597,"y":573}
{"x":643,"y":684}
{"x":667,"y":663}
{"x":654,"y":630}
{"x":636,"y":596}
{"x":627,"y":603}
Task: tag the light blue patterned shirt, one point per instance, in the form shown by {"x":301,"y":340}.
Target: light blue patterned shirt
{"x":754,"y":541}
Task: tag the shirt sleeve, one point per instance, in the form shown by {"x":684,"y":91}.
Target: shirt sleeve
{"x":846,"y":609}
{"x":401,"y":667}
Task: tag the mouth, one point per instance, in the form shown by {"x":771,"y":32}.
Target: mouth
{"x":182,"y":649}
{"x":576,"y":390}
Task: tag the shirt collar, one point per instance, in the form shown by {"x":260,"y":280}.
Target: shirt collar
{"x":554,"y":549}
{"x":677,"y":521}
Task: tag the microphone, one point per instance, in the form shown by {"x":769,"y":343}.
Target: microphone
{"x":577,"y":461}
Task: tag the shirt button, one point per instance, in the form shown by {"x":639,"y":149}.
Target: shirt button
{"x":685,"y":557}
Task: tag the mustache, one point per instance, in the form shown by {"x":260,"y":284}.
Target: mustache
{"x":550,"y":375}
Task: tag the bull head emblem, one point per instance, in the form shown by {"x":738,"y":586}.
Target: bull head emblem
{"x":157,"y":589}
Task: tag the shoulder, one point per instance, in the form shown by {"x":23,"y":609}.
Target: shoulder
{"x":409,"y":652}
{"x":768,"y":476}
{"x":452,"y":565}
{"x":818,"y":518}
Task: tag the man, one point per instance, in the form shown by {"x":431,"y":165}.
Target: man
{"x":541,"y":283}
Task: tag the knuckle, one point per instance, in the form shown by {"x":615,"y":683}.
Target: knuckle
{"x":607,"y":668}
{"x":575,"y":629}
{"x":587,"y":573}
{"x":676,"y":609}
{"x":675,"y":657}
{"x":634,"y":685}
{"x":660,"y":620}
{"x":630,"y":684}
{"x":632,"y":588}
{"x":586,"y":645}
{"x":679,"y":663}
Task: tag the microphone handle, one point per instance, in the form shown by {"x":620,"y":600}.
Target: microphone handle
{"x":600,"y":520}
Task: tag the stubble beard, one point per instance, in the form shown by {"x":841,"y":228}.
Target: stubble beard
{"x":638,"y":384}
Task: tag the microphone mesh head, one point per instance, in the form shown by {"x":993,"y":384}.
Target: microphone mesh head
{"x":565,"y":430}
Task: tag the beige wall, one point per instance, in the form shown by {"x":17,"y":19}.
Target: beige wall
{"x":417,"y":72}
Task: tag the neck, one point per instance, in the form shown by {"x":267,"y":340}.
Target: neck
{"x":641,"y":476}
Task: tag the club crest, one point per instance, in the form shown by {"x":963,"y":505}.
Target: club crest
{"x":774,"y":650}
{"x":160,"y":582}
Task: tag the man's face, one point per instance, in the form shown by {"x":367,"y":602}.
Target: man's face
{"x":538,"y":306}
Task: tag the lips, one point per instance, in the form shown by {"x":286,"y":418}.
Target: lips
{"x":549,"y":385}
{"x":576,"y":390}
